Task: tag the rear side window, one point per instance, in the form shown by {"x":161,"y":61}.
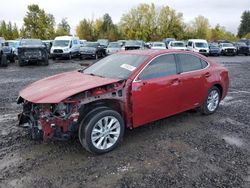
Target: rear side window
{"x":204,"y":64}
{"x":160,"y":67}
{"x":190,"y":63}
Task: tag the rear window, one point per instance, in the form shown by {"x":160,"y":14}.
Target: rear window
{"x":190,"y":63}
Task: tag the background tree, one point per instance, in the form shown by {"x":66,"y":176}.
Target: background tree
{"x":38,"y":24}
{"x":3,"y":30}
{"x":247,"y":36}
{"x":63,"y":28}
{"x":148,"y":23}
{"x":244,"y":27}
{"x":84,"y":30}
{"x":200,"y":26}
{"x":170,"y":23}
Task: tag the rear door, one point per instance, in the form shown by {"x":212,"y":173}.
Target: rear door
{"x":156,"y":91}
{"x":194,"y":78}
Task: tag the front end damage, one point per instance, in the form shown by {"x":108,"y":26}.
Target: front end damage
{"x":49,"y":121}
{"x":61,"y":121}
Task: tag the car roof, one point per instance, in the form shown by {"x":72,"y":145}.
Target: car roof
{"x":154,"y":53}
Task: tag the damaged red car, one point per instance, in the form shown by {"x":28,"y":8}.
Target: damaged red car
{"x":124,"y":90}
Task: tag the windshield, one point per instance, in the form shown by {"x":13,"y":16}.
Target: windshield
{"x":159,"y":44}
{"x":117,"y":66}
{"x":242,"y":44}
{"x":227,"y":45}
{"x":133,"y":43}
{"x":61,"y":43}
{"x":114,"y":45}
{"x":11,"y":44}
{"x":178,"y":44}
{"x":27,"y":42}
{"x":90,"y":44}
{"x":103,"y":42}
{"x":200,"y":44}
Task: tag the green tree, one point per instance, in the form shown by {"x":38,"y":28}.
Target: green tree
{"x":3,"y":29}
{"x":247,"y":36}
{"x":200,"y":26}
{"x":15,"y":32}
{"x":63,"y":28}
{"x":84,"y":30}
{"x":170,"y":23}
{"x":38,"y":24}
{"x":148,"y":23}
{"x":244,"y":27}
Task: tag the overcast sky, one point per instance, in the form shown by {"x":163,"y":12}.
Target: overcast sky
{"x":224,"y":12}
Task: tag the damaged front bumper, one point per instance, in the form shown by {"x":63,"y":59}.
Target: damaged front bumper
{"x":45,"y":121}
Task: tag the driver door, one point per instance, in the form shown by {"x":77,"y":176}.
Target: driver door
{"x":156,"y":91}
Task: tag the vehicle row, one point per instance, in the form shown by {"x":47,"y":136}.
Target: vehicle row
{"x":34,"y":50}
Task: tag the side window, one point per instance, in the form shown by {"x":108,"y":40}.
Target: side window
{"x":189,"y":62}
{"x":204,"y":64}
{"x":190,"y":43}
{"x":161,"y":66}
{"x":75,"y":42}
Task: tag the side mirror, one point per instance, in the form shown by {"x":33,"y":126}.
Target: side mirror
{"x":70,"y":46}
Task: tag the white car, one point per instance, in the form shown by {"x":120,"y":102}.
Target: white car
{"x":177,"y":45}
{"x":199,"y":46}
{"x":158,"y":46}
{"x":65,"y":46}
{"x":113,"y":47}
{"x":227,"y":49}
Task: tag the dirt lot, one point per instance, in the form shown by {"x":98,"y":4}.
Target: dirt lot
{"x":187,"y":150}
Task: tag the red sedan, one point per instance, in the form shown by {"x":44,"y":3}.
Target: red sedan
{"x":126,"y":89}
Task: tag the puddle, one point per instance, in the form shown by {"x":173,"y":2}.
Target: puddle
{"x":233,"y":141}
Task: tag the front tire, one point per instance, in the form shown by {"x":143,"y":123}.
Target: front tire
{"x":212,"y":101}
{"x":102,"y":131}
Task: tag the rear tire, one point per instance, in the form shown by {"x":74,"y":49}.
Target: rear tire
{"x":3,"y":60}
{"x":101,"y":131}
{"x":212,"y":101}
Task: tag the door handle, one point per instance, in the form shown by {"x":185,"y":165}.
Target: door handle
{"x":207,"y":74}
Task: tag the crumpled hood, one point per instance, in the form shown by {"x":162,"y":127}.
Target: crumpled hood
{"x":56,"y":88}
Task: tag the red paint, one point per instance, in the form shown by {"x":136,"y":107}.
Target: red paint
{"x":56,"y":88}
{"x":141,"y":102}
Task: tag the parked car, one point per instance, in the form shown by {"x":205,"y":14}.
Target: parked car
{"x":241,"y":48}
{"x":214,"y":49}
{"x":7,"y":50}
{"x":32,"y":50}
{"x":48,"y":44}
{"x":167,"y":40}
{"x":14,"y":44}
{"x":113,"y":47}
{"x":177,"y":45}
{"x":121,"y":90}
{"x":246,"y":41}
{"x":134,"y":45}
{"x":227,"y":49}
{"x":92,"y":50}
{"x":103,"y":42}
{"x":3,"y":58}
{"x":65,"y":46}
{"x":122,"y":42}
{"x":158,"y":46}
{"x":198,"y":45}
{"x":82,"y":42}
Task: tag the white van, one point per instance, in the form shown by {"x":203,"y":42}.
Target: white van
{"x":65,"y":46}
{"x":198,"y":45}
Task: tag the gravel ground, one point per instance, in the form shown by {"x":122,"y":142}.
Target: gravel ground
{"x":186,"y":150}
